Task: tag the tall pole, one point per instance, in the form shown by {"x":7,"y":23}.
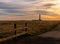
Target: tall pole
{"x":39,"y":17}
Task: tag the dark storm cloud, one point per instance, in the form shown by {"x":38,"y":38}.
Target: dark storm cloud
{"x":42,"y":12}
{"x":48,"y":5}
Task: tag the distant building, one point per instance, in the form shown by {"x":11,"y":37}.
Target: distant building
{"x":39,"y":17}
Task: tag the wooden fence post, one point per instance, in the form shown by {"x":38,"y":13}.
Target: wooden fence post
{"x":15,"y":29}
{"x":25,"y":26}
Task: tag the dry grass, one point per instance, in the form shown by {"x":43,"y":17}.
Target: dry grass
{"x":33,"y":27}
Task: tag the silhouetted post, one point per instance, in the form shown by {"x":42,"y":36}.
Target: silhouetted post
{"x":25,"y":26}
{"x":14,"y":28}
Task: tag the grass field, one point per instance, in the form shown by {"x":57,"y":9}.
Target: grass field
{"x":31,"y":27}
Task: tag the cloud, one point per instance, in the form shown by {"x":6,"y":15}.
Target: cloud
{"x":48,"y":5}
{"x":29,"y":0}
{"x":44,"y":12}
{"x":9,"y":9}
{"x":5,"y":0}
{"x":29,"y":7}
{"x":20,"y":7}
{"x":7,"y":6}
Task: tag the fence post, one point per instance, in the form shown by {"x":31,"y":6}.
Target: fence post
{"x":15,"y":29}
{"x":25,"y":26}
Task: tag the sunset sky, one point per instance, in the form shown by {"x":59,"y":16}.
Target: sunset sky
{"x":29,"y":9}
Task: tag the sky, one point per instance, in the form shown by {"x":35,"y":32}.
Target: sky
{"x":23,"y":9}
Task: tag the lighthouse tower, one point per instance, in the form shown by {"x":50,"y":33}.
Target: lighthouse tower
{"x":39,"y":17}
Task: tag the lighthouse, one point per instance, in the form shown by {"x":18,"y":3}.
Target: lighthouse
{"x":39,"y":17}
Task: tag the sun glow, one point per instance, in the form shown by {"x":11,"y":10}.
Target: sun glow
{"x":47,"y":17}
{"x":56,"y":7}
